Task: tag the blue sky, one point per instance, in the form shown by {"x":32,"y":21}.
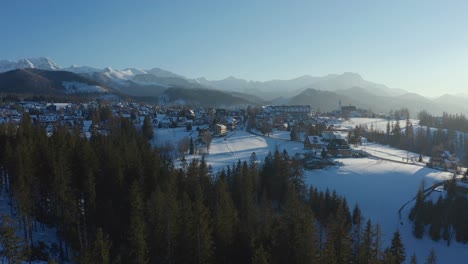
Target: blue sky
{"x":419,"y":46}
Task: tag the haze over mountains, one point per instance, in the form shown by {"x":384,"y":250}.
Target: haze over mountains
{"x":320,"y":92}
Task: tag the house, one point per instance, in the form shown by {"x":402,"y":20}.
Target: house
{"x":444,"y":160}
{"x":313,"y":142}
{"x":165,"y":122}
{"x":220,"y":130}
{"x":339,"y":148}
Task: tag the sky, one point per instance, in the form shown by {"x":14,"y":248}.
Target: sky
{"x":418,"y":46}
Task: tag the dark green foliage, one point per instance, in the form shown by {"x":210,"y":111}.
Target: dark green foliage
{"x":148,"y":129}
{"x":417,"y":214}
{"x":115,"y":199}
{"x":12,"y":245}
{"x":397,"y":249}
{"x":431,"y":258}
{"x":225,"y":221}
{"x":260,"y":256}
{"x":192,"y":147}
{"x":445,"y":219}
{"x":293,"y":134}
{"x":137,"y":231}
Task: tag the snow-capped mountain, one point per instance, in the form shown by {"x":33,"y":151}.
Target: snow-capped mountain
{"x":41,"y":63}
{"x":82,"y":69}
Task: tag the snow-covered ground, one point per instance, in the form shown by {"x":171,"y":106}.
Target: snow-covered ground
{"x":46,"y":235}
{"x":376,"y":123}
{"x":381,"y":188}
{"x":380,"y":185}
{"x":239,"y":145}
{"x":386,"y":152}
{"x":78,"y":87}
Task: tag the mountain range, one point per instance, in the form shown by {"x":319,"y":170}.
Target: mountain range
{"x":42,"y":75}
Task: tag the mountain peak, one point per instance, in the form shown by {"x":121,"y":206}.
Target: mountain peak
{"x":42,"y":63}
{"x":163,"y":73}
{"x":352,"y":75}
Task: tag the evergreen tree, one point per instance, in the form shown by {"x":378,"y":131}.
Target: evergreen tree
{"x":300,"y":226}
{"x":12,"y":246}
{"x":260,"y":256}
{"x":431,"y":258}
{"x":137,"y":232}
{"x":356,"y":232}
{"x":413,"y":259}
{"x":98,"y":252}
{"x":397,"y":248}
{"x":202,"y":233}
{"x":339,"y":234}
{"x":148,"y":129}
{"x":329,"y":254}
{"x":293,"y":134}
{"x":225,"y":222}
{"x":416,"y":214}
{"x":192,"y":147}
{"x":366,"y":249}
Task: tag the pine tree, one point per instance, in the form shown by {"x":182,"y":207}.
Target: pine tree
{"x":366,"y":250}
{"x":329,"y":254}
{"x":260,"y":256}
{"x":377,"y":243}
{"x":397,"y":248}
{"x":299,"y":225}
{"x":225,"y":222}
{"x":12,"y":247}
{"x":99,"y":251}
{"x":202,"y":232}
{"x":413,"y":259}
{"x":431,"y":258}
{"x":192,"y":147}
{"x":148,"y":129}
{"x":356,"y":232}
{"x":137,"y":232}
{"x":416,"y":214}
{"x":293,"y":134}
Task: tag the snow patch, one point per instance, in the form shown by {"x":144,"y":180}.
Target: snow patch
{"x":78,"y":87}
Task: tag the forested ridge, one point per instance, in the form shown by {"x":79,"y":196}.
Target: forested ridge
{"x":116,"y":199}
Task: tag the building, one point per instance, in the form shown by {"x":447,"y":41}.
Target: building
{"x":220,"y":130}
{"x":313,"y":142}
{"x":444,"y":160}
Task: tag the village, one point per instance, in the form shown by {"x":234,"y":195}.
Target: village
{"x":323,"y":135}
{"x":319,"y":140}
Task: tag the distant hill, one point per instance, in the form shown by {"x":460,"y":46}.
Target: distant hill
{"x":325,"y":101}
{"x":44,"y":82}
{"x":43,"y":76}
{"x":288,"y":88}
{"x":202,"y":96}
{"x":329,"y":101}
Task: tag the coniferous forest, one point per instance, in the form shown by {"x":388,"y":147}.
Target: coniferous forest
{"x":446,"y":218}
{"x":428,"y":139}
{"x":116,"y":199}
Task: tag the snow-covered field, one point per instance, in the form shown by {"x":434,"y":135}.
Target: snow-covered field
{"x":379,"y":186}
{"x":386,"y":152}
{"x":376,"y":123}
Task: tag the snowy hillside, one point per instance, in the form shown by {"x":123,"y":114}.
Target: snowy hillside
{"x":82,"y":69}
{"x":77,"y":87}
{"x":380,"y":185}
